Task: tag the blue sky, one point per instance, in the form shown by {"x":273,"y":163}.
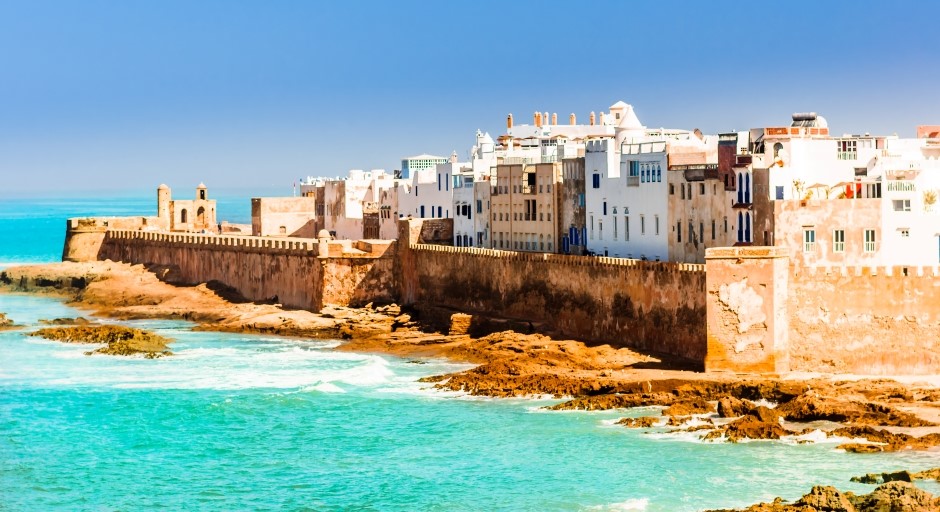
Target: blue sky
{"x":124,"y":95}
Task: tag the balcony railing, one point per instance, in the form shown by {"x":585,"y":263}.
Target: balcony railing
{"x":633,"y":181}
{"x":848,"y":155}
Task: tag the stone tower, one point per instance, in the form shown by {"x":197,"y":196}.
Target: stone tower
{"x":163,"y":205}
{"x":201,"y":192}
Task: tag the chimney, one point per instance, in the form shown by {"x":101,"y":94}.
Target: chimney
{"x":572,"y":120}
{"x":602,"y":118}
{"x":555,"y":118}
{"x":538,"y":119}
{"x":545,"y":118}
{"x":592,"y":118}
{"x":509,"y":121}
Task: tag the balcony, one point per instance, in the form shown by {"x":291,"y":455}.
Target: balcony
{"x":633,"y":181}
{"x":528,"y":189}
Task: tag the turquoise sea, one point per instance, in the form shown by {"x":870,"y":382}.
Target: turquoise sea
{"x":239,"y":422}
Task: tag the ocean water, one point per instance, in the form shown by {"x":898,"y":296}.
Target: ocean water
{"x":243,"y":422}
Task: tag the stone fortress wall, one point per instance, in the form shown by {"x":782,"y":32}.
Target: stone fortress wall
{"x":746,"y":309}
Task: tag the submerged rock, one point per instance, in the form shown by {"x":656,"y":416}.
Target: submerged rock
{"x":66,"y":321}
{"x":119,"y":340}
{"x":5,"y":323}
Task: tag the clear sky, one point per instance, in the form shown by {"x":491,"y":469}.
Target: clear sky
{"x":123,"y":95}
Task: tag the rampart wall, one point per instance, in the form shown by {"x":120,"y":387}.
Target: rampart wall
{"x":656,"y":307}
{"x":865,"y":320}
{"x":291,"y":271}
{"x":754,"y":312}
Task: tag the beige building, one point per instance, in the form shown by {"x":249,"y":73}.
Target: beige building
{"x":195,"y":215}
{"x":284,"y":216}
{"x":524,"y":206}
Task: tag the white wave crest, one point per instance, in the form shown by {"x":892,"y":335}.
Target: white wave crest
{"x":631,"y":504}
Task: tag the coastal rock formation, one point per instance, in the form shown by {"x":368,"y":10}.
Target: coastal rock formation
{"x":731,"y":407}
{"x":119,"y":340}
{"x":508,"y":363}
{"x":641,"y":422}
{"x":812,"y":406}
{"x":889,"y":497}
{"x":5,"y":323}
{"x":887,"y":441}
{"x":65,"y":321}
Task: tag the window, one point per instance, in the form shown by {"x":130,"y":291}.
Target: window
{"x":701,"y":189}
{"x":656,"y":222}
{"x":672,"y":189}
{"x":847,"y":149}
{"x":905,"y":232}
{"x":682,"y":190}
{"x":777,"y":148}
{"x":479,"y":207}
{"x":713,"y":229}
{"x":642,"y":225}
{"x":838,"y":240}
{"x":626,"y":228}
{"x":615,"y":227}
{"x":605,"y":207}
{"x":597,"y":180}
{"x":679,"y":231}
{"x":869,"y":240}
{"x":902,"y":205}
{"x":592,"y":227}
{"x":809,"y":239}
{"x":659,"y":174}
{"x":779,"y":193}
{"x":701,"y":231}
{"x":600,"y":230}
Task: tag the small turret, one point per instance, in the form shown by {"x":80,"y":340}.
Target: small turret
{"x":163,"y":205}
{"x":202,"y":192}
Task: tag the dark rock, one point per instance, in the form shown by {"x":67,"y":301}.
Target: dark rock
{"x":813,"y":407}
{"x":827,"y":498}
{"x":688,"y":407}
{"x":897,"y":497}
{"x":880,"y":478}
{"x":118,"y":340}
{"x":731,"y":407}
{"x":641,"y":422}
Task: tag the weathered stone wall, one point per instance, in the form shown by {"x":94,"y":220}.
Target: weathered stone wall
{"x":866,"y":320}
{"x":747,"y":309}
{"x":656,"y":307}
{"x":84,"y":236}
{"x":289,"y":271}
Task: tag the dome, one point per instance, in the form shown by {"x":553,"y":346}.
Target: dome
{"x":324,"y":234}
{"x":201,"y":185}
{"x":163,"y":187}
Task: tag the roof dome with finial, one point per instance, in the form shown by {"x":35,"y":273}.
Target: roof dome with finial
{"x":163,"y":187}
{"x":201,"y":185}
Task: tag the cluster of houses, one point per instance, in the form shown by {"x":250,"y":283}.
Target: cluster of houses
{"x":617,"y":188}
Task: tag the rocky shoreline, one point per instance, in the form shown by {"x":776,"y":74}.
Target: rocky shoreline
{"x":882,"y":415}
{"x":873,"y":415}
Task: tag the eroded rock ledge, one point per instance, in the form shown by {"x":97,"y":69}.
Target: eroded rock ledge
{"x":118,"y":340}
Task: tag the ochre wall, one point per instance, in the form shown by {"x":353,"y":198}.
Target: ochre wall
{"x":262,"y":269}
{"x":656,"y":307}
{"x":845,"y":319}
{"x":747,"y":309}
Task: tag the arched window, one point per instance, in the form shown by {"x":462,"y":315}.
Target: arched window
{"x":747,"y":187}
{"x":201,"y":216}
{"x":777,"y":147}
{"x":740,"y":227}
{"x":747,"y":227}
{"x":659,"y":174}
{"x":740,"y":188}
{"x":184,"y":215}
